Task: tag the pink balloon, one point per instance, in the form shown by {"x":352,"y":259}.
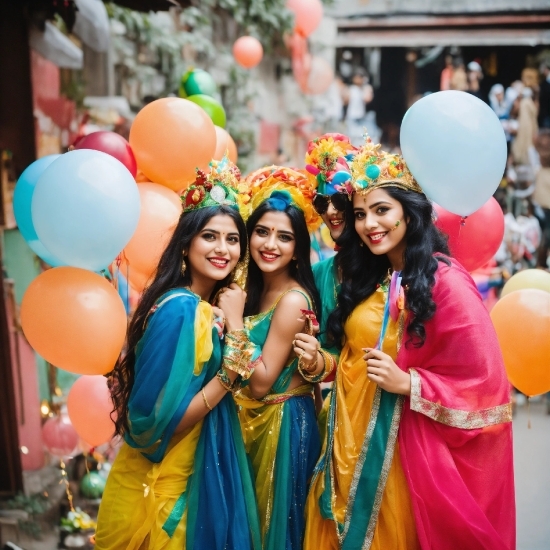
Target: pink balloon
{"x":248,"y":51}
{"x":307,"y":15}
{"x":89,"y":406}
{"x":320,"y":76}
{"x":476,"y":240}
{"x":59,"y":436}
{"x":111,"y":143}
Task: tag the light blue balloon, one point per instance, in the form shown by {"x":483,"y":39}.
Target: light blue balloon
{"x":85,"y":208}
{"x":22,"y":200}
{"x":455,"y":147}
{"x":340,"y":177}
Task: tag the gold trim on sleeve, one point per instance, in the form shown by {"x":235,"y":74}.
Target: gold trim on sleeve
{"x":466,"y":420}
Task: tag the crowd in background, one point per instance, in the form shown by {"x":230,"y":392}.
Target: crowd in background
{"x":524,"y":110}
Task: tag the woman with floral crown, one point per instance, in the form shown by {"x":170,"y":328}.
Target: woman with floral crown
{"x":267,"y":347}
{"x":182,"y":479}
{"x":418,"y":451}
{"x":328,"y":159}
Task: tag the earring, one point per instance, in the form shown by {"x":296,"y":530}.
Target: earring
{"x":361,"y":243}
{"x":183,"y":267}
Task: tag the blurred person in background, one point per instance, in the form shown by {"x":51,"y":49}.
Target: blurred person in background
{"x":447,"y":74}
{"x":544,"y":95}
{"x":360,"y":93}
{"x":459,"y":79}
{"x":542,"y":193}
{"x":475,"y":75}
{"x":523,"y":146}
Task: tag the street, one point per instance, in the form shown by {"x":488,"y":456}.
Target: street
{"x":532,"y":467}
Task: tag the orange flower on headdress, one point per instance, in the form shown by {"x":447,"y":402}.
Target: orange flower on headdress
{"x":262,"y":183}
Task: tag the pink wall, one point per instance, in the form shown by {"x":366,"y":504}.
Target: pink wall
{"x":27,"y":398}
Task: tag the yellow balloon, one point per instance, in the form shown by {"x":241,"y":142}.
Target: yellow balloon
{"x":529,"y":278}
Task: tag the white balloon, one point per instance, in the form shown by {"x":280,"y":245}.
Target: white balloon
{"x":455,"y":147}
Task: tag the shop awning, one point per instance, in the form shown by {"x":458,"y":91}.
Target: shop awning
{"x":92,"y":24}
{"x":56,"y":47}
{"x":412,"y":38}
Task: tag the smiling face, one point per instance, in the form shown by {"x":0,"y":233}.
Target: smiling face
{"x":215,"y":250}
{"x":272,"y":242}
{"x":381,"y":224}
{"x":334,"y":220}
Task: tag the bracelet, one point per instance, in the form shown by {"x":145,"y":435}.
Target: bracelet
{"x":207,"y":405}
{"x":308,"y":368}
{"x":226,"y":383}
{"x":329,"y":364}
{"x":237,"y":353}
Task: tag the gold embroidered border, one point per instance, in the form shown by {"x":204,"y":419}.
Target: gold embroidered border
{"x":360,"y":463}
{"x":386,"y":465}
{"x":467,"y":420}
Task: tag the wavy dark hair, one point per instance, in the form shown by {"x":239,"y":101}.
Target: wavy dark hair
{"x":362,"y":270}
{"x":299,"y":270}
{"x":168,"y":276}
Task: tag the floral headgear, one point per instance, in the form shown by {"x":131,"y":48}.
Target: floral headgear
{"x":328,"y":158}
{"x":220,"y":186}
{"x":372,"y":168}
{"x":283,"y":186}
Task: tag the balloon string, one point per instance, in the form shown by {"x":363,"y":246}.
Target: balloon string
{"x":65,"y":480}
{"x":528,"y":413}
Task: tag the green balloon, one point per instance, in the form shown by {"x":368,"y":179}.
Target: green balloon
{"x":92,"y":485}
{"x":197,"y":81}
{"x":212,"y":107}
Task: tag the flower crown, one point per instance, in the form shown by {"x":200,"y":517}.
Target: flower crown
{"x":220,"y":186}
{"x":372,"y":168}
{"x":328,"y":158}
{"x":284,"y":186}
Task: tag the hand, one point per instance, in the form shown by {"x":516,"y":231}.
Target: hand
{"x":305,"y":347}
{"x":219,"y":320}
{"x":231,"y":301}
{"x":381,"y":368}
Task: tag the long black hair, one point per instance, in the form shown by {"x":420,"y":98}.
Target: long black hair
{"x":299,"y":269}
{"x":362,"y":270}
{"x":168,"y":276}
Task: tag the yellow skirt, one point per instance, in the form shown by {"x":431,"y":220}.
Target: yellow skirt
{"x":140,"y":496}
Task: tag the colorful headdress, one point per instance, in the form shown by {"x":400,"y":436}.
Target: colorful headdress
{"x":328,"y":158}
{"x":222,"y":185}
{"x":372,"y":168}
{"x":284,"y":186}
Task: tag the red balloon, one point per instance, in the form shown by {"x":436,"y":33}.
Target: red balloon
{"x":247,"y":51}
{"x":59,"y":436}
{"x":476,"y":239}
{"x":89,"y":406}
{"x":112,"y":144}
{"x":307,"y":15}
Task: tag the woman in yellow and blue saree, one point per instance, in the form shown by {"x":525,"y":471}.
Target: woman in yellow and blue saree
{"x":276,"y":405}
{"x":182,"y":479}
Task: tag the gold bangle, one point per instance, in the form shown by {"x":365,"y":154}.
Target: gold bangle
{"x":207,"y":405}
{"x":308,"y":368}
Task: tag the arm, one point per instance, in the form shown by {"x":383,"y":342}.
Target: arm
{"x":457,"y":376}
{"x":203,"y":402}
{"x":168,"y":372}
{"x":285,"y":323}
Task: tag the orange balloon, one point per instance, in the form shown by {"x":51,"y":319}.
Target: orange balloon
{"x":141,"y":177}
{"x":247,"y":51}
{"x":222,"y":142}
{"x":522,"y":323}
{"x":89,"y":406}
{"x":74,"y":319}
{"x":170,"y":138}
{"x":233,"y":153}
{"x":160,"y":211}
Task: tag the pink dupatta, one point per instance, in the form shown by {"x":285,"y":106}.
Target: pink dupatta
{"x":455,"y":435}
